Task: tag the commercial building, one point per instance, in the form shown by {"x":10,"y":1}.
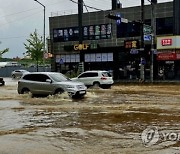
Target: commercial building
{"x":168,"y":57}
{"x":113,"y":45}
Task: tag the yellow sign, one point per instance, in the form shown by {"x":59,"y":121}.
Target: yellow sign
{"x":81,"y":47}
{"x":134,"y":44}
{"x":131,"y":44}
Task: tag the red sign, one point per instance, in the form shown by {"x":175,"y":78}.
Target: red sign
{"x":166,"y":56}
{"x":166,"y":42}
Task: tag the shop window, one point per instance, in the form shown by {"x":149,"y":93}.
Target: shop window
{"x":164,"y":26}
{"x":130,"y":29}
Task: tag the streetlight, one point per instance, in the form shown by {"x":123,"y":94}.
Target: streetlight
{"x":43,"y":33}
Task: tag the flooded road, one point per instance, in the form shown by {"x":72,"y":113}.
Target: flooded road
{"x":105,"y":121}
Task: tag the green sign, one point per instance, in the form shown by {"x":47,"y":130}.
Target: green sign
{"x":147,"y":29}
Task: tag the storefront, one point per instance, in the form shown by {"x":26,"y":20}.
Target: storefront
{"x":92,"y":56}
{"x":108,"y":45}
{"x":168,"y":57}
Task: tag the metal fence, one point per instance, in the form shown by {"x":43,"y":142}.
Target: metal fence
{"x":6,"y":71}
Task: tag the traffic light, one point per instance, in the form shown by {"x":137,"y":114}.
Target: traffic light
{"x":112,"y":16}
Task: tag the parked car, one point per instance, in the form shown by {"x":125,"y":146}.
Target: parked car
{"x":18,"y":73}
{"x":50,"y":83}
{"x":2,"y":82}
{"x":95,"y":78}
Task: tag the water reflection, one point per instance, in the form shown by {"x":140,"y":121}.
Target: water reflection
{"x":112,"y":118}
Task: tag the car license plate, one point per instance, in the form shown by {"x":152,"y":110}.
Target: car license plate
{"x":81,"y":92}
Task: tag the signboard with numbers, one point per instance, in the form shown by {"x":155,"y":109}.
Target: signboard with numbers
{"x":168,"y":42}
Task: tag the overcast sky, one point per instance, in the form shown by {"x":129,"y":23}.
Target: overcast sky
{"x":19,"y":18}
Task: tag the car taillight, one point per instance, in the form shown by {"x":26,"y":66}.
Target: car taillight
{"x":103,"y":78}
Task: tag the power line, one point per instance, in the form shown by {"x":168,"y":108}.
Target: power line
{"x":88,"y":6}
{"x":85,"y":6}
{"x":99,"y":4}
{"x":15,"y":13}
{"x":19,"y":19}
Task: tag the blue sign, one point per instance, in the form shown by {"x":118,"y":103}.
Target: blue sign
{"x":61,"y":61}
{"x":147,"y":37}
{"x":118,"y":22}
{"x":134,"y":51}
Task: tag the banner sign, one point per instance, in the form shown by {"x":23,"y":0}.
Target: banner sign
{"x":91,"y":32}
{"x":173,"y":54}
{"x":166,"y":56}
{"x":168,"y":42}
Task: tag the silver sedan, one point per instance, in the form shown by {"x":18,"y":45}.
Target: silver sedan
{"x":18,"y":73}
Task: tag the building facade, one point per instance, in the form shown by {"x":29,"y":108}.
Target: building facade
{"x":113,"y":45}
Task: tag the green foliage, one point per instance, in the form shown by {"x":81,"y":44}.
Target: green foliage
{"x":34,"y":47}
{"x":3,"y":51}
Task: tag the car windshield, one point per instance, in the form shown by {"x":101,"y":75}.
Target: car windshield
{"x":59,"y":77}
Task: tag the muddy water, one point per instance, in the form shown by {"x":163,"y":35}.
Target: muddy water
{"x":105,"y":121}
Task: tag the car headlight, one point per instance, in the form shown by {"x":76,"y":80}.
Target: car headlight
{"x":81,"y":86}
{"x":69,"y":86}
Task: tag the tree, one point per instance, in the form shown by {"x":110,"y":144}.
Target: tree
{"x":3,"y":51}
{"x":34,"y":48}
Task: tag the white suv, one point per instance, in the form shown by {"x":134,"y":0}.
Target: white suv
{"x":98,"y":78}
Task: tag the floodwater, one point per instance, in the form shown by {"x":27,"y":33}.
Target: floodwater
{"x":105,"y":121}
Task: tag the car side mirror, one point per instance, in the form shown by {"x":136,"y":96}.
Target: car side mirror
{"x":49,"y":80}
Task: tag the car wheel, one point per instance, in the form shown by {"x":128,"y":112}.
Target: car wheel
{"x":25,"y":91}
{"x":59,"y":91}
{"x":70,"y":95}
{"x":13,"y":76}
{"x":3,"y":83}
{"x":96,"y":84}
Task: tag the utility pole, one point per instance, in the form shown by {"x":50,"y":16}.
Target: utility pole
{"x":142,"y":41}
{"x":153,"y":26}
{"x":80,"y":13}
{"x":176,"y":16}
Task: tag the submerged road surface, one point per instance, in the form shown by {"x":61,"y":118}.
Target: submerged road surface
{"x":129,"y":119}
